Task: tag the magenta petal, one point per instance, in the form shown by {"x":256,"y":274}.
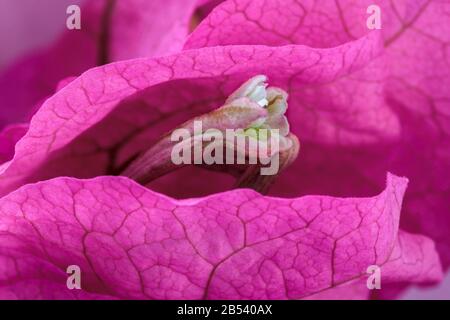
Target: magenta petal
{"x":351,"y":290}
{"x":405,"y":265}
{"x":86,"y":101}
{"x":398,"y":105}
{"x":346,"y":111}
{"x":276,"y":23}
{"x":133,"y":243}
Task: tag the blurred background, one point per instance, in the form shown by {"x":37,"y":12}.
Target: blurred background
{"x":27,"y":25}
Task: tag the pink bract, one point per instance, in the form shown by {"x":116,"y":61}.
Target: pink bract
{"x":362,"y":102}
{"x":133,"y":243}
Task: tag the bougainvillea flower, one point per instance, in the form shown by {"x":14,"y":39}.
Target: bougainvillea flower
{"x":364,"y":104}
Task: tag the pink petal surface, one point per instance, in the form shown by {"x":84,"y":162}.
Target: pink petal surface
{"x":8,"y":139}
{"x":351,"y":290}
{"x":133,"y":84}
{"x":349,"y":110}
{"x":131,"y":242}
{"x":321,"y":24}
